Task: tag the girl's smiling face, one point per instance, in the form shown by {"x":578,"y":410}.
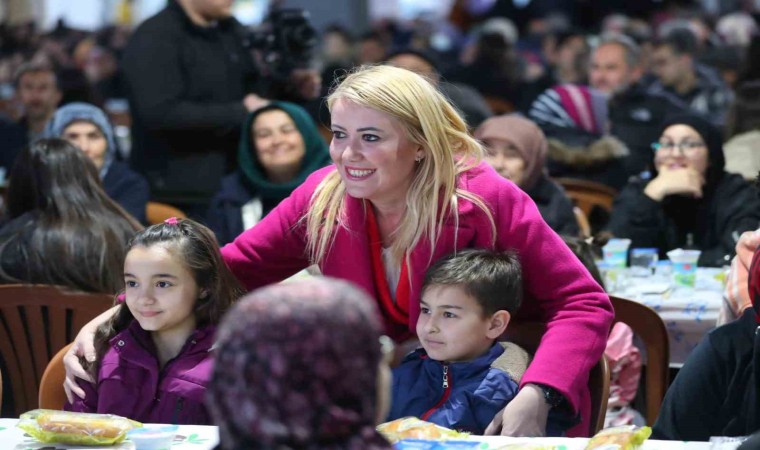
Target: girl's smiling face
{"x":161,"y":293}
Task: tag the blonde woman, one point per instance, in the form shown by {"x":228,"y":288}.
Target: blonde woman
{"x":407,"y":188}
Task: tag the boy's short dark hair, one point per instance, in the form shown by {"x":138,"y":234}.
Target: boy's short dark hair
{"x":493,"y":279}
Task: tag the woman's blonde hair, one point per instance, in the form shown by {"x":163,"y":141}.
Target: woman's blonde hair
{"x":430,"y":122}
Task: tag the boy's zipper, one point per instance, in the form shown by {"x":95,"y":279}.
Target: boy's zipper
{"x":446,"y":393}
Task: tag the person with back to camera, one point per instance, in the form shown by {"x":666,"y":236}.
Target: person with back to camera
{"x":153,"y":359}
{"x":88,"y":127}
{"x":279,"y":147}
{"x":516,"y":148}
{"x":407,"y":188}
{"x":461,"y":377}
{"x":716,"y":391}
{"x":302,"y":365}
{"x":689,"y":194}
{"x":63,"y":229}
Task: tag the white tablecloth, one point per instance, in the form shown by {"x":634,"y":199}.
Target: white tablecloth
{"x":206,"y":438}
{"x":688,"y":313}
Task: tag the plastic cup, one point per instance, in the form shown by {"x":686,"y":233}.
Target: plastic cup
{"x":153,"y":437}
{"x":643,"y":261}
{"x":684,"y":266}
{"x":616,"y":252}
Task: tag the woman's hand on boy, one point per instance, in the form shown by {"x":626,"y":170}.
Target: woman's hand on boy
{"x":525,"y":415}
{"x":82,"y":347}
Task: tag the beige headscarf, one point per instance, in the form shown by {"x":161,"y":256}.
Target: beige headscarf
{"x":525,"y":135}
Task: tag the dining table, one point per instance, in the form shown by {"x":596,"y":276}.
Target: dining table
{"x":689,"y":313}
{"x":196,"y":437}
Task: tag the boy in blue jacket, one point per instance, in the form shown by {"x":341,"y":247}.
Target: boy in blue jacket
{"x":461,"y":377}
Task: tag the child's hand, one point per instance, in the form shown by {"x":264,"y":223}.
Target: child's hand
{"x":82,"y":347}
{"x":525,"y":415}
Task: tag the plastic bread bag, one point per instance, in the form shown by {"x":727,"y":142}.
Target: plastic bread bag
{"x":420,"y":444}
{"x":627,"y":437}
{"x":414,"y":428}
{"x":64,"y":427}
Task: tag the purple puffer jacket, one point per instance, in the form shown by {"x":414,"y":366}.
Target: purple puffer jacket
{"x":131,"y":384}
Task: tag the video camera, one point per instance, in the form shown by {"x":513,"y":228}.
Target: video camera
{"x":286,"y":41}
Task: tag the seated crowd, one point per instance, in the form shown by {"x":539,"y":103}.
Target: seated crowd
{"x":428,"y":194}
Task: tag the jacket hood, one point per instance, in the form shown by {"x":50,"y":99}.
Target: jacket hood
{"x":316,"y":153}
{"x":75,"y":112}
{"x":596,"y":153}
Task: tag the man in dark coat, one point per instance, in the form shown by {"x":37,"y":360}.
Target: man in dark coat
{"x":190,"y":81}
{"x":635,"y":116}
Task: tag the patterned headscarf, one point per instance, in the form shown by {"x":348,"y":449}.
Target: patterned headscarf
{"x":296,"y":368}
{"x":527,"y":138}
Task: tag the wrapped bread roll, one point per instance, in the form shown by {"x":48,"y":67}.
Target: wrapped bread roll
{"x":65,"y":427}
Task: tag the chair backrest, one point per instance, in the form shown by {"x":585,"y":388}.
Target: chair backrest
{"x":1,"y":389}
{"x":582,"y":220}
{"x":528,"y":335}
{"x":36,"y":321}
{"x":499,"y":105}
{"x":158,"y":212}
{"x":51,"y":394}
{"x":648,"y":325}
{"x":586,"y":194}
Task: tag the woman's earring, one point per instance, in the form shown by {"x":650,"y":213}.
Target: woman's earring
{"x":418,"y":158}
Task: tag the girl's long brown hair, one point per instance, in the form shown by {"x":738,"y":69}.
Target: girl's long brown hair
{"x":197,"y":249}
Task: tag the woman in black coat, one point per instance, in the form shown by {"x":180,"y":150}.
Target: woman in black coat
{"x":689,"y":199}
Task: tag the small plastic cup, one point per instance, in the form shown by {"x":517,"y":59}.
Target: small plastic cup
{"x":643,"y":261}
{"x":151,"y":437}
{"x":616,"y":252}
{"x":684,"y":266}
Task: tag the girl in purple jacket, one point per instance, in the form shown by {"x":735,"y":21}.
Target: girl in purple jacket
{"x":153,"y":360}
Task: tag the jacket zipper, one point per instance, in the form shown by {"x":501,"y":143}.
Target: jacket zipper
{"x":177,"y":410}
{"x":446,"y":393}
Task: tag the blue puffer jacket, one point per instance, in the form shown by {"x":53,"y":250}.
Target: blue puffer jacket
{"x":464,"y":396}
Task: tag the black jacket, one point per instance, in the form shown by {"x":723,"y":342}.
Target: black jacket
{"x":636,"y":119}
{"x":555,"y":207}
{"x":716,"y":391}
{"x":225,"y":215}
{"x":128,"y":189}
{"x":186,"y":85}
{"x":732,"y":208}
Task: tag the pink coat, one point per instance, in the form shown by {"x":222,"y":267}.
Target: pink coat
{"x":558,"y":288}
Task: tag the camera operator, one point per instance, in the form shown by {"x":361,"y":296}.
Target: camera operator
{"x":191,"y":82}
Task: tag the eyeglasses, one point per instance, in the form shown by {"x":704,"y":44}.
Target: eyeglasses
{"x":687,"y":148}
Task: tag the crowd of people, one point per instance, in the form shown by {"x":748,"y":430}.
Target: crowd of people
{"x":414,"y":168}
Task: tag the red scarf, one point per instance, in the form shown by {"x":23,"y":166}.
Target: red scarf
{"x":397,"y":313}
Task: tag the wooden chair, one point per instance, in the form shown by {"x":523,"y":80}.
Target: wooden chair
{"x":587,"y":194}
{"x":1,"y":389}
{"x":158,"y":212}
{"x":528,"y":335}
{"x":36,"y":321}
{"x":583,"y":223}
{"x":498,"y":105}
{"x":52,"y":395}
{"x":648,"y":325}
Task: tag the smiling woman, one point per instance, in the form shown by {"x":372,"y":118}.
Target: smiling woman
{"x":279,"y":147}
{"x":407,"y":188}
{"x":689,"y":194}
